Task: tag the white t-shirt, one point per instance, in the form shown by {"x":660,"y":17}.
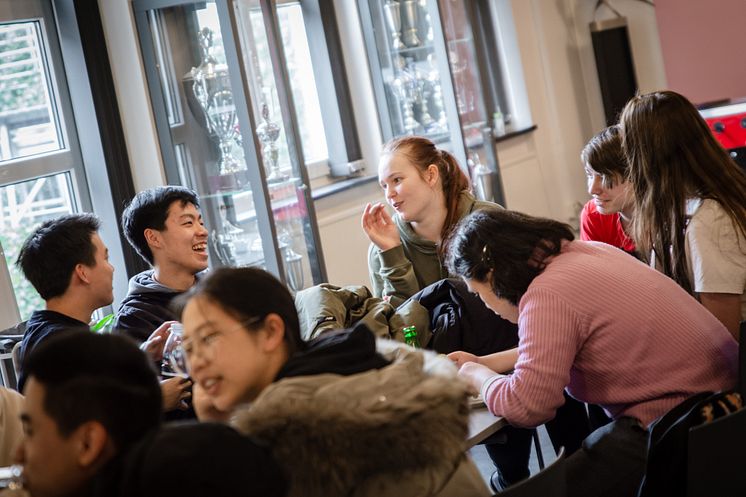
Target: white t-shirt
{"x":715,"y":252}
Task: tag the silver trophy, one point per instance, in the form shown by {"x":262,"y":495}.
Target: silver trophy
{"x":268,"y":132}
{"x":433,"y":77}
{"x":403,"y":87}
{"x":410,"y":11}
{"x":422,"y":97}
{"x":211,"y":88}
{"x":481,"y":177}
{"x":429,"y":35}
{"x":393,"y":19}
{"x":293,"y":260}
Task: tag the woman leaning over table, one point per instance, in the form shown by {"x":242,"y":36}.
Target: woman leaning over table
{"x":591,"y":319}
{"x":430,"y":194}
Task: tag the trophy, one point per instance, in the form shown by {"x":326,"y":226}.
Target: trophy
{"x":293,"y":260}
{"x":393,"y":19}
{"x":211,"y":88}
{"x":268,"y":132}
{"x":422,"y":97}
{"x":433,"y":77}
{"x":429,"y":36}
{"x":402,"y":87}
{"x":410,"y":9}
{"x":482,"y":177}
{"x":231,"y":243}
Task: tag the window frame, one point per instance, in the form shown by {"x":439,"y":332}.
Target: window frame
{"x":83,"y":155}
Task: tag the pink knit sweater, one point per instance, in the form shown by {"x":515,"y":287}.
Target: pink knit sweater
{"x":614,"y":332}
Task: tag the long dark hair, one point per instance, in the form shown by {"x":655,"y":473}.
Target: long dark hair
{"x":512,"y":246}
{"x":248,"y":294}
{"x":672,"y":157}
{"x":421,"y":152}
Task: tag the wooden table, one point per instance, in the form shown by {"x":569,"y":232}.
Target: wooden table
{"x":482,"y":424}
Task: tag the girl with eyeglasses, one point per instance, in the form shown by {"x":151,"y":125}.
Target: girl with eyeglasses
{"x":594,"y":321}
{"x":335,"y":411}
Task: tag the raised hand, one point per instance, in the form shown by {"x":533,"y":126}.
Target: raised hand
{"x":379,"y":227}
{"x":153,"y":346}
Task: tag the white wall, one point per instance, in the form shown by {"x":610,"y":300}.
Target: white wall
{"x":541,"y":170}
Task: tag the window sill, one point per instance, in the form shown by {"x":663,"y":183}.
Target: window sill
{"x":514,"y":133}
{"x":340,"y":186}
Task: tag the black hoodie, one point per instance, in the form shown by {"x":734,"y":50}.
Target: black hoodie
{"x":145,"y":308}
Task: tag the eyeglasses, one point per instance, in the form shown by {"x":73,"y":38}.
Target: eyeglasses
{"x":204,"y":345}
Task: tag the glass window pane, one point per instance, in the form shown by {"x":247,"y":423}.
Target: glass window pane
{"x":207,"y":141}
{"x":28,"y":118}
{"x":410,"y":69}
{"x":286,"y":189}
{"x":302,"y":81}
{"x":23,"y":207}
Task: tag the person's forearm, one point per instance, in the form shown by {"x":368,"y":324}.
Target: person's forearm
{"x":501,"y":362}
{"x":726,"y":307}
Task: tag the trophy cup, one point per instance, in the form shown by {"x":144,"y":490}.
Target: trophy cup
{"x":402,"y":87}
{"x":410,"y":9}
{"x":482,"y":177}
{"x":211,"y":88}
{"x":231,"y":243}
{"x":293,"y":260}
{"x":393,"y":19}
{"x":429,"y":35}
{"x":433,"y":77}
{"x":268,"y":132}
{"x":423,"y":102}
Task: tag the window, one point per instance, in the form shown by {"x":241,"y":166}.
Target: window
{"x":42,"y":172}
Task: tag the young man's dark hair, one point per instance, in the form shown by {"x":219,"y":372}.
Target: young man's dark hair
{"x":103,"y":377}
{"x":149,"y":209}
{"x":89,"y":398}
{"x":49,"y":255}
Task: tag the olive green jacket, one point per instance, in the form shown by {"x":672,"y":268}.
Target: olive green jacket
{"x":327,"y":307}
{"x":398,"y":273}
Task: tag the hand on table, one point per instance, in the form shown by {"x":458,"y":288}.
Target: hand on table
{"x":379,"y":227}
{"x":153,"y":346}
{"x":475,"y":374}
{"x":460,"y":357}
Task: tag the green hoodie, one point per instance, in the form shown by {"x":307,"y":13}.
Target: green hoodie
{"x":402,"y":271}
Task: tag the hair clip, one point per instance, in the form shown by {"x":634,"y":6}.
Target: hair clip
{"x":486,"y":260}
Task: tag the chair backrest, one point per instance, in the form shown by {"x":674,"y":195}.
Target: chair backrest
{"x":715,"y":457}
{"x":742,"y":360}
{"x":549,"y":482}
{"x":16,"y":356}
{"x":8,"y":377}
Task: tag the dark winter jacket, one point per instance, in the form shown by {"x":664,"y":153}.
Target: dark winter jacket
{"x":459,"y":320}
{"x":192,"y":460}
{"x":40,"y":326}
{"x":145,"y":308}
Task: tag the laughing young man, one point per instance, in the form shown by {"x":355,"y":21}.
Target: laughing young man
{"x":165,"y":226}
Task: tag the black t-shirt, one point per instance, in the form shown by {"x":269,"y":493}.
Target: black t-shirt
{"x":39,"y":327}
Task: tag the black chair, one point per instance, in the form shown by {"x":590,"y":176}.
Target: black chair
{"x":549,"y":482}
{"x":715,"y":457}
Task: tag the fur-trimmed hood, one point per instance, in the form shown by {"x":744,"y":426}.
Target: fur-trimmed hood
{"x":399,"y":430}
